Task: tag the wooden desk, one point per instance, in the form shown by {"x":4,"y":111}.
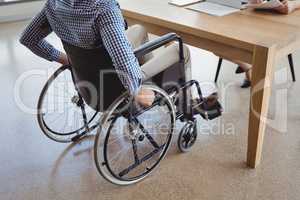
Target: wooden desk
{"x":257,"y":38}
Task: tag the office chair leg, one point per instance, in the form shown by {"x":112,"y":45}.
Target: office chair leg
{"x":218,"y":69}
{"x":291,"y":62}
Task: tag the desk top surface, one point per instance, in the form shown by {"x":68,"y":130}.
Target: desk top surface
{"x":247,"y":27}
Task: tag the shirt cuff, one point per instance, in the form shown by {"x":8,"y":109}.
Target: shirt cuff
{"x":55,"y":55}
{"x":134,"y":86}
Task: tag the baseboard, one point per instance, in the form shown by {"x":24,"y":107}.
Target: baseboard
{"x":20,"y":11}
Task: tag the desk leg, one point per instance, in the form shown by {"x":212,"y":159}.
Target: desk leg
{"x":262,"y":74}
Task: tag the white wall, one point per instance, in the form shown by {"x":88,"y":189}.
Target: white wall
{"x":20,"y":11}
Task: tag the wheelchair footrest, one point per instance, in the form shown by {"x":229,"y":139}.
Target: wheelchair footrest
{"x":209,"y":108}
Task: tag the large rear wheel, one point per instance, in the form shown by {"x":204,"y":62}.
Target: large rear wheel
{"x":129,"y":147}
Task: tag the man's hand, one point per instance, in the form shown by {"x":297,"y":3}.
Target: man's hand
{"x":145,"y":97}
{"x":63,"y":59}
{"x":286,"y":8}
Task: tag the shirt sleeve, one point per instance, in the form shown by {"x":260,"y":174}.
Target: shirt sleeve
{"x":33,"y":38}
{"x":112,"y":30}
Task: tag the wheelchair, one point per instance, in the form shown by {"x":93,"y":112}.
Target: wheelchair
{"x":131,"y":140}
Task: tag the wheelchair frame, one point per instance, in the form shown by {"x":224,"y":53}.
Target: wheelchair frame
{"x":185,"y":109}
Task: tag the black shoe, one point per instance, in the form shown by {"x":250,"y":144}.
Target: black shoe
{"x":239,"y":70}
{"x":246,"y":84}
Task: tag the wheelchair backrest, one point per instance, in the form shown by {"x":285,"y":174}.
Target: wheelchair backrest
{"x":87,"y":65}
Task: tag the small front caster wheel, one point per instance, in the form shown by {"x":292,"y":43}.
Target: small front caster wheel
{"x":187,"y":136}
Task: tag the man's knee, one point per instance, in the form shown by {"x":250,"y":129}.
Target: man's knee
{"x":137,"y":34}
{"x":166,"y":58}
{"x":139,"y":29}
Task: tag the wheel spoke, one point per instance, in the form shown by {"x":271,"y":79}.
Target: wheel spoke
{"x":57,"y":118}
{"x":65,"y":90}
{"x":148,"y":136}
{"x":134,"y":149}
{"x":145,"y":158}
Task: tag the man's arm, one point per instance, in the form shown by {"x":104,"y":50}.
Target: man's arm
{"x":112,"y":31}
{"x":33,"y":38}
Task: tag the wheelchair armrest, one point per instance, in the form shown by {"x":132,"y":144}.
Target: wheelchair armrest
{"x":156,"y":43}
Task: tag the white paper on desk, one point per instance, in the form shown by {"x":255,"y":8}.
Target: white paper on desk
{"x":231,"y":3}
{"x":213,"y":9}
{"x":183,"y":2}
{"x":266,"y":5}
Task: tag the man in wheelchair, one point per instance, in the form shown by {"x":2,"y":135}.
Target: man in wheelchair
{"x":105,"y":60}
